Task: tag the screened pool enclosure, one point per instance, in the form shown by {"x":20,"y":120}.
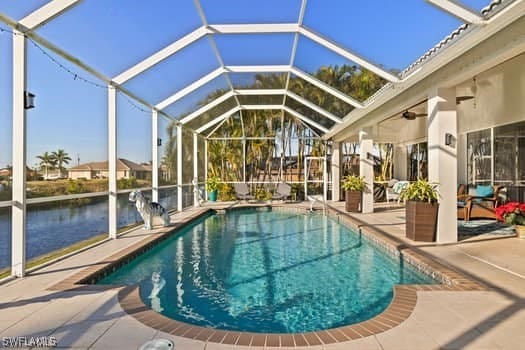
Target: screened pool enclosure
{"x":99,"y":98}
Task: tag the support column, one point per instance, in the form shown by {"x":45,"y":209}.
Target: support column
{"x":18,"y":219}
{"x":155,"y":155}
{"x":400,"y":162}
{"x":325,"y":176}
{"x":337,"y":160}
{"x":205,"y":161}
{"x":462,"y":158}
{"x":442,"y":159}
{"x":244,"y":159}
{"x":366,"y":169}
{"x":112,"y":160}
{"x":195,"y":170}
{"x":179,"y":167}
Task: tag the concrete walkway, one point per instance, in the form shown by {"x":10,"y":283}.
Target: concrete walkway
{"x":441,"y":320}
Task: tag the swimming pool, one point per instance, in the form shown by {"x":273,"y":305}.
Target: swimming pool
{"x":267,"y":271}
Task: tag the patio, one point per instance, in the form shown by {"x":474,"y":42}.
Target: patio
{"x":441,"y":319}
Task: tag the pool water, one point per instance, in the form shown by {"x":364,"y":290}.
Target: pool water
{"x":267,"y":271}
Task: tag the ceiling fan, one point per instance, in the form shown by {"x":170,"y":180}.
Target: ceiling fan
{"x":460,"y":99}
{"x":408,"y":115}
{"x":412,"y":115}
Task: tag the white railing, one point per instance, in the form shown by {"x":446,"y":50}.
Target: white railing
{"x":6,"y":204}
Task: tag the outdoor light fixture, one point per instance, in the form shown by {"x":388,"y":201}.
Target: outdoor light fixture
{"x":29,"y":100}
{"x":448,"y":139}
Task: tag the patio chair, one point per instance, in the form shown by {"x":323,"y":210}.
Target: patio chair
{"x":392,"y":193}
{"x":242,"y":191}
{"x":463,"y":205}
{"x":483,"y":200}
{"x":282,"y":192}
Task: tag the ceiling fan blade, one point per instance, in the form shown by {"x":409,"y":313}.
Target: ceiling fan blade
{"x":460,"y":99}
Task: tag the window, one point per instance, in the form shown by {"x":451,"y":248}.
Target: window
{"x":479,"y":155}
{"x":506,"y":165}
{"x":509,"y":154}
{"x":417,"y":161}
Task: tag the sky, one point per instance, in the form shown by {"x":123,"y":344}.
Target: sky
{"x":112,"y":35}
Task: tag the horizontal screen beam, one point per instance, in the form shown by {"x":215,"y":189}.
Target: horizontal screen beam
{"x":329,"y":44}
{"x":218,"y":119}
{"x":457,"y":10}
{"x":160,"y":55}
{"x":46,"y":13}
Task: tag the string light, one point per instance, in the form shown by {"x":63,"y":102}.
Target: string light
{"x":75,"y":76}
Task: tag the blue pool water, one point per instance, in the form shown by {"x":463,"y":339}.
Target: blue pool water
{"x":267,"y":271}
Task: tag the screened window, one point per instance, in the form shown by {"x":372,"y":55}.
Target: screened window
{"x":479,"y":154}
{"x":509,"y":154}
{"x":417,"y":161}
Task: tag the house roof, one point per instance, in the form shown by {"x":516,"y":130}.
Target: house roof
{"x":486,"y":12}
{"x":122,"y":164}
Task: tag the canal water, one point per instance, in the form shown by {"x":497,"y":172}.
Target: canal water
{"x":56,"y":225}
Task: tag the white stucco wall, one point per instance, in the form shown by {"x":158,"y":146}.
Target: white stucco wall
{"x":500,"y":100}
{"x":500,"y":97}
{"x":79,"y":174}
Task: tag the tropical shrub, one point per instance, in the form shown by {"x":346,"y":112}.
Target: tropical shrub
{"x":123,"y":184}
{"x":420,"y":191}
{"x":212,"y":183}
{"x":262,"y":194}
{"x":75,"y":186}
{"x":226,"y":192}
{"x":354,"y":183}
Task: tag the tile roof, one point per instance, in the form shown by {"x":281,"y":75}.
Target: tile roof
{"x":122,"y":164}
{"x":488,"y":11}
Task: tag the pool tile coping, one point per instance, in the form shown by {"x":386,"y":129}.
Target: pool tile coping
{"x":399,"y":309}
{"x":86,"y":278}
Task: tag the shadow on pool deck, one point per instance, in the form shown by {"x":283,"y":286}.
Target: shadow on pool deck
{"x":466,"y":337}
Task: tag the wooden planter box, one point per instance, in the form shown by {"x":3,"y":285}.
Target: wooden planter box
{"x":421,"y":221}
{"x":353,"y":201}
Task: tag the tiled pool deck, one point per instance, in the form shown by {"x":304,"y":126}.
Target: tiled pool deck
{"x":481,"y":306}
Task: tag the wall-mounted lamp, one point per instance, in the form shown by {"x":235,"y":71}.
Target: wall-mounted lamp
{"x":29,"y":100}
{"x":159,"y":141}
{"x":448,"y":139}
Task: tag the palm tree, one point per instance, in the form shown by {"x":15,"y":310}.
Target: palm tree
{"x":47,"y":161}
{"x":60,"y":157}
{"x":170,"y":154}
{"x":224,"y":156}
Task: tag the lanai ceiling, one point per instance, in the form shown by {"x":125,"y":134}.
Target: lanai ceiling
{"x":204,"y":61}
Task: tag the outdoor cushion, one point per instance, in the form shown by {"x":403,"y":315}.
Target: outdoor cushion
{"x":484,"y":191}
{"x":399,"y":186}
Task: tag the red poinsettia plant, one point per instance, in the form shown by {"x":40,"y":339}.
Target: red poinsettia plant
{"x":512,"y":213}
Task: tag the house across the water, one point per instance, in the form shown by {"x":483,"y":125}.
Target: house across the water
{"x":100,"y":170}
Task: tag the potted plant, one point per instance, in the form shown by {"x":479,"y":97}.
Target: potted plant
{"x":354,"y":187}
{"x":421,"y":210}
{"x":513,"y":213}
{"x":212,"y":183}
